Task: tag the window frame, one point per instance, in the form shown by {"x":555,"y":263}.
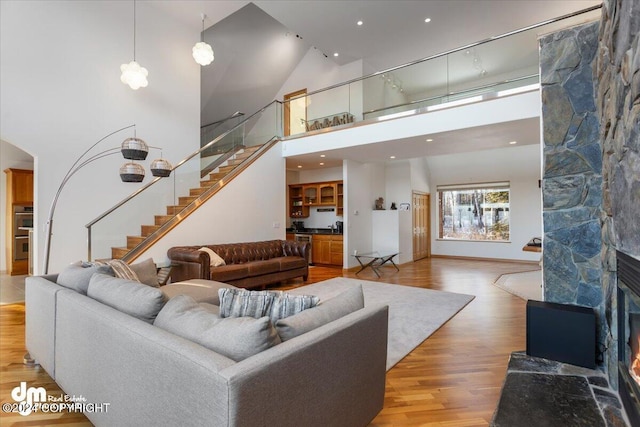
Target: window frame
{"x":484,"y":187}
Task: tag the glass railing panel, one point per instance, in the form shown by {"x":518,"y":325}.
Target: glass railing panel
{"x":480,"y":69}
{"x":164,"y":197}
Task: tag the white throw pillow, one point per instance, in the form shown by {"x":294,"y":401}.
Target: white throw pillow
{"x":216,"y":261}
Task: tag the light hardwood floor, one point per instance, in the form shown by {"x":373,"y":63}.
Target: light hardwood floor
{"x":452,"y":379}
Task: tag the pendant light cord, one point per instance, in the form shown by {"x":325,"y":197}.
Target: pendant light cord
{"x":134,"y":30}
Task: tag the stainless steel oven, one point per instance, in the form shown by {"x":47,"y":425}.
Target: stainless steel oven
{"x":22,"y":223}
{"x":305,"y":238}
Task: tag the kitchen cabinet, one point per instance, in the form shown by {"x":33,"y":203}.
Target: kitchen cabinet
{"x":327,"y":249}
{"x":327,"y":193}
{"x":304,"y":196}
{"x":290,"y":236}
{"x":310,"y":195}
{"x":296,"y":202}
{"x":339,"y":199}
{"x":19,"y":219}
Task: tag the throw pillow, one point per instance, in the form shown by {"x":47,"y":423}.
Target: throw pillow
{"x":133,"y":298}
{"x":276,"y":305}
{"x":76,"y":276}
{"x":215,"y":259}
{"x":123,"y":270}
{"x":147,"y":272}
{"x":327,"y":311}
{"x":235,"y":338}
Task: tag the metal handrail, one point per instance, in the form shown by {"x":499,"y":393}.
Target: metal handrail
{"x":234,"y":115}
{"x":448,"y":52}
{"x":191,"y":156}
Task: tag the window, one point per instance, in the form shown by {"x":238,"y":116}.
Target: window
{"x":474,"y":211}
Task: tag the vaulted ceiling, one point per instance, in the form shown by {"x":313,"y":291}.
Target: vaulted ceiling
{"x":392,"y":33}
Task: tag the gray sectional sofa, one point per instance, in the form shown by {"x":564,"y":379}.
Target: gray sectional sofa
{"x":333,"y":375}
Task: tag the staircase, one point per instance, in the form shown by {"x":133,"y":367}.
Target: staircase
{"x":151,"y":233}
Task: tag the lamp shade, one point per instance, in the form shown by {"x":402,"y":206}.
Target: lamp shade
{"x":161,"y":167}
{"x":131,"y":172}
{"x":134,"y":149}
{"x":202,"y":53}
{"x":134,"y":75}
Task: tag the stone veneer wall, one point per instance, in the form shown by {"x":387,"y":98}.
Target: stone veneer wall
{"x":617,"y":72}
{"x":591,"y":158}
{"x":572,"y":171}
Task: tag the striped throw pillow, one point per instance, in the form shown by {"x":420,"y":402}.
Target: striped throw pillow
{"x":122,"y":270}
{"x":275,"y":305}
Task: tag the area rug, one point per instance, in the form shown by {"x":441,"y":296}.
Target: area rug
{"x":414,"y":313}
{"x":526,"y":285}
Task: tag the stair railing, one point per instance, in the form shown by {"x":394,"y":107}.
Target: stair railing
{"x":260,"y":127}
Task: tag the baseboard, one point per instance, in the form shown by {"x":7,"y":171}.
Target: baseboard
{"x":469,"y":258}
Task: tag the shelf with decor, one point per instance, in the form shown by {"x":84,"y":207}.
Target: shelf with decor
{"x":296,"y":202}
{"x":310,"y":193}
{"x":339,"y":199}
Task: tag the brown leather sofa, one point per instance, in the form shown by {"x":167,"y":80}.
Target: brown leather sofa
{"x":248,"y":265}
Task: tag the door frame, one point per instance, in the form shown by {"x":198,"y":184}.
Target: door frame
{"x":427,"y":220}
{"x":287,"y":109}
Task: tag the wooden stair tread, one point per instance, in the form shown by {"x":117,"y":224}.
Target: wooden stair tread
{"x":149,"y":229}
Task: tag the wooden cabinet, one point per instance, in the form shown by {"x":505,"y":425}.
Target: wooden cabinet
{"x":310,"y":195}
{"x":327,"y":249}
{"x":296,"y":202}
{"x":339,"y":199}
{"x":290,"y":236}
{"x":19,"y":218}
{"x":327,"y":193}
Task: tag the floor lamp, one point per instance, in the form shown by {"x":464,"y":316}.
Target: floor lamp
{"x":131,"y":149}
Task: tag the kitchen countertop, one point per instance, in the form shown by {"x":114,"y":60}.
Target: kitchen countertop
{"x":314,"y":231}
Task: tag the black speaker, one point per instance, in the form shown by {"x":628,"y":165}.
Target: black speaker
{"x":561,"y":332}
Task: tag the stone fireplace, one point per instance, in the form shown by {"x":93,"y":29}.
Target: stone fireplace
{"x":590,"y":77}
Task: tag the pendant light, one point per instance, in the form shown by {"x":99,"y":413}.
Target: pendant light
{"x":202,"y":52}
{"x":132,"y":73}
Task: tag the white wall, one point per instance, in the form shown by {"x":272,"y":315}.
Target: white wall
{"x":518,"y":165}
{"x":358,"y":205}
{"x":10,"y":157}
{"x":249,"y":208}
{"x":61,"y":92}
{"x":391,"y":232}
{"x":420,"y":175}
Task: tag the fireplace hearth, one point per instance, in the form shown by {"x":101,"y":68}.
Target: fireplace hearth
{"x":629,"y":335}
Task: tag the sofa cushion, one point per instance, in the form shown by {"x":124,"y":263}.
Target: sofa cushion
{"x":258,"y":268}
{"x":325,"y":312}
{"x":235,"y":338}
{"x":229,"y":272}
{"x":214,"y":259}
{"x":275,"y":305}
{"x":147,"y":272}
{"x":290,"y":262}
{"x":76,"y":276}
{"x":199,"y":289}
{"x":133,"y":298}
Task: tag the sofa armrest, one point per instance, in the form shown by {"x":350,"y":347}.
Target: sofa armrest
{"x":331,"y":376}
{"x":295,"y":248}
{"x":40,"y":319}
{"x":189,"y":263}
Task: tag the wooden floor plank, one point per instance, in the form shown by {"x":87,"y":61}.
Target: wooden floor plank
{"x":453,"y":379}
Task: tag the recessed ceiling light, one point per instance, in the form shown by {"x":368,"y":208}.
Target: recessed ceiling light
{"x":429,"y":140}
{"x":336,"y":54}
{"x":513,"y":142}
{"x":321,"y":163}
{"x":392,"y":157}
{"x":299,"y":166}
{"x":359,"y":23}
{"x":322,"y":155}
{"x":427,"y":20}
